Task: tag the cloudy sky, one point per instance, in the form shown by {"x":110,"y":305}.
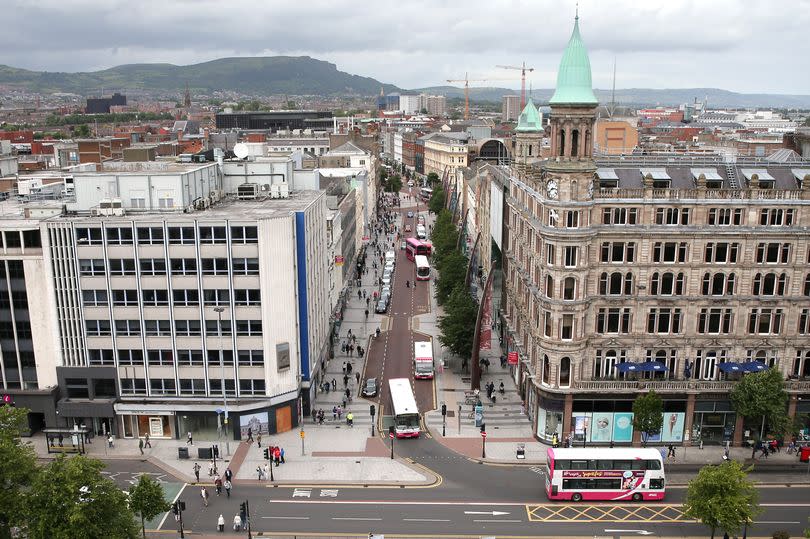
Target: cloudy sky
{"x":747,"y":46}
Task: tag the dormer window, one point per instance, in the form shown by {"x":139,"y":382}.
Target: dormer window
{"x":607,"y":178}
{"x":659,"y":177}
{"x":758,"y":178}
{"x":802,"y":176}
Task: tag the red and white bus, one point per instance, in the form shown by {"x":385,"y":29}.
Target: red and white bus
{"x":422,"y":268}
{"x":403,"y":408}
{"x":414,"y":247}
{"x":590,"y":473}
{"x":423,"y":360}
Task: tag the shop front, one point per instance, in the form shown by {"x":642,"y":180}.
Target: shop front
{"x":139,"y":420}
{"x":611,"y":421}
{"x":550,"y":419}
{"x":713,"y":422}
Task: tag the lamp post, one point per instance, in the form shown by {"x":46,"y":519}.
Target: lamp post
{"x":219,"y":311}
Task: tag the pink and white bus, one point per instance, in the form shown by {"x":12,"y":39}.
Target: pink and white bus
{"x":415,"y":247}
{"x":598,"y":473}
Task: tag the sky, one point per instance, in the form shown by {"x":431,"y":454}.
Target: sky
{"x":749,"y":46}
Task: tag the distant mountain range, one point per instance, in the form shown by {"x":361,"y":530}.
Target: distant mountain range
{"x":302,"y":75}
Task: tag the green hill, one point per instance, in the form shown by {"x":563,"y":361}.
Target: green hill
{"x":300,"y":75}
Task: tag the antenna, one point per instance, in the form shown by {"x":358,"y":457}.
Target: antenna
{"x":612,"y":107}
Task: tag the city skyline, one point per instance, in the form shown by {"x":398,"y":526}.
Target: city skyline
{"x":669,"y":45}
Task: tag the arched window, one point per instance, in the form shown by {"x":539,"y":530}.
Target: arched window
{"x":628,"y":283}
{"x":549,"y":287}
{"x":769,"y":284}
{"x":615,"y":284}
{"x":667,"y":284}
{"x":565,"y":372}
{"x":807,"y":285}
{"x":575,"y":143}
{"x":569,"y":288}
{"x":562,"y":142}
{"x":718,"y":284}
{"x":546,"y":369}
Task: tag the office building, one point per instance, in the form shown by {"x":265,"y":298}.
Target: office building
{"x":510,"y":108}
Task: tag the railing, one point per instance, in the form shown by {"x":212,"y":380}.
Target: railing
{"x":707,"y":194}
{"x":673,"y":385}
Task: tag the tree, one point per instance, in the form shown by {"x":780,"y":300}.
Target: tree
{"x":18,"y":466}
{"x":432,"y":179}
{"x":82,"y":130}
{"x":452,"y":271}
{"x":648,"y":415}
{"x":146,"y":499}
{"x":722,"y":497}
{"x":70,"y":499}
{"x":436,"y":203}
{"x":444,"y":236}
{"x":457,"y":325}
{"x":393,"y":184}
{"x":762,"y":394}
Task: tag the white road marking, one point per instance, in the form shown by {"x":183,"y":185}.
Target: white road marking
{"x":354,"y":518}
{"x":426,"y":519}
{"x":289,"y":518}
{"x":329,"y":493}
{"x":776,"y":522}
{"x":640,"y":532}
{"x":302,"y":493}
{"x":497,"y":520}
{"x":491,"y":513}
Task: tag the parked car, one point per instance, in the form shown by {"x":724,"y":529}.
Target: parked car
{"x":386,"y":279}
{"x":370,"y":389}
{"x":382,"y":305}
{"x":410,"y":214}
{"x":402,"y":245}
{"x":407,"y":228}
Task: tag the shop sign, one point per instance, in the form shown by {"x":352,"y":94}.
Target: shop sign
{"x":512,"y":358}
{"x":601,"y":473}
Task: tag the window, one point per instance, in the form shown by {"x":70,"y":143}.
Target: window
{"x":212,"y":329}
{"x":547,"y":323}
{"x":94,"y":298}
{"x":216,"y":386}
{"x":186,"y":297}
{"x":604,"y":364}
{"x":130,"y":357}
{"x":806,"y":287}
{"x":667,"y":284}
{"x":283,"y":356}
{"x":184,"y":266}
{"x":190,"y":358}
{"x":160,"y":357}
{"x":150,"y":235}
{"x":216,"y":297}
{"x":162,"y":386}
{"x":192,"y":386}
{"x":252,"y":387}
{"x":776,"y":217}
{"x":133,"y":386}
{"x":247,"y":297}
{"x":89,"y":236}
{"x":613,"y":320}
{"x":773,"y":253}
{"x":619,"y":216}
{"x":804,"y":322}
{"x":765,"y":321}
{"x":567,"y":327}
{"x":101,"y":357}
{"x":155,"y":298}
{"x":213,"y":234}
{"x":248,"y":327}
{"x":616,"y":284}
{"x":769,"y":284}
{"x":128,"y":328}
{"x":671,"y":216}
{"x":718,"y":284}
{"x":157,"y":328}
{"x":251,"y":358}
{"x":98,"y":328}
{"x":618,"y":252}
{"x":549,"y":286}
{"x":214,"y":357}
{"x":572,"y":219}
{"x":215,"y":266}
{"x":571,"y":256}
{"x":664,"y":320}
{"x":188,"y":328}
{"x":724,"y":216}
{"x":153,"y":266}
{"x":125,"y":298}
{"x":119,"y":236}
{"x":569,"y":288}
{"x":565,"y":372}
{"x":715,"y":321}
{"x":244,"y":234}
{"x":32,"y":238}
{"x":670,"y":252}
{"x":181,"y":235}
{"x":91,"y":267}
{"x":550,"y":254}
{"x":245,"y":266}
{"x":122,"y":266}
{"x":552,"y":218}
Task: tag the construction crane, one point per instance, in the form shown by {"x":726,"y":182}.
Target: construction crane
{"x":466,"y":80}
{"x":523,"y":69}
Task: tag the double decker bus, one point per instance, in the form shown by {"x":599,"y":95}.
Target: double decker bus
{"x":415,"y":247}
{"x":616,"y":474}
{"x":425,"y":193}
{"x":422,"y":268}
{"x":403,"y":408}
{"x":423,"y":360}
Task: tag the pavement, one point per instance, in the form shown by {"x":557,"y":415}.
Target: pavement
{"x":335,"y":453}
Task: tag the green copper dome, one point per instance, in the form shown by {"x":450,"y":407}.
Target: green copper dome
{"x":574,"y":85}
{"x":530,"y":120}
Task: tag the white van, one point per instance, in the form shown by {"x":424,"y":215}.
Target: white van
{"x":390,"y":256}
{"x":421,"y":233}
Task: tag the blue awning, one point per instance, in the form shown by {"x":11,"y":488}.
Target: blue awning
{"x":628,"y":366}
{"x":728,"y":366}
{"x":652,"y":366}
{"x":754,"y":366}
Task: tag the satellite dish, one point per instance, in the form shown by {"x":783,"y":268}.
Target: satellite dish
{"x":241,"y":150}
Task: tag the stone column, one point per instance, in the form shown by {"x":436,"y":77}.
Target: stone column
{"x":688,"y":419}
{"x":738,"y":431}
{"x":568,"y":410}
{"x":568,"y":150}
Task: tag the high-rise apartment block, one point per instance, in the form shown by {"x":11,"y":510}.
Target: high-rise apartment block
{"x":510,"y":108}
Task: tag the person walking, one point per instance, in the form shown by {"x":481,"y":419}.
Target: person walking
{"x":339,"y":411}
{"x":237,"y":523}
{"x":147,"y":442}
{"x":250,"y":434}
{"x":671,"y":451}
{"x":228,"y":485}
{"x":281,"y":454}
{"x":334,"y":384}
{"x":197,"y":472}
{"x":221,"y":523}
{"x":228,"y":474}
{"x":204,"y":495}
{"x":140,"y":445}
{"x":350,"y":419}
{"x":189,"y":439}
{"x":259,"y":472}
{"x":357,"y":376}
{"x":259,"y":439}
{"x":218,"y":485}
{"x":277,"y":456}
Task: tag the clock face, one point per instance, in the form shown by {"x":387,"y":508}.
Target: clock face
{"x":551,"y":189}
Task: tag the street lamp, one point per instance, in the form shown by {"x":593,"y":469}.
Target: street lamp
{"x":219,"y":311}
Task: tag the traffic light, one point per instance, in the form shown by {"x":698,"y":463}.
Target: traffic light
{"x":372,"y":410}
{"x":266,"y":454}
{"x":175,"y":509}
{"x":483,"y":427}
{"x":444,"y":409}
{"x":181,"y":505}
{"x":7,"y":400}
{"x":391,"y":431}
{"x":243,"y":508}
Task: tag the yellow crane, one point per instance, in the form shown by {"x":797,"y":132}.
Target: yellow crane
{"x":523,"y":69}
{"x":466,"y":80}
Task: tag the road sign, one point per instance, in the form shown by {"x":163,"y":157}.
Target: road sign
{"x":484,"y":434}
{"x":301,"y":433}
{"x":391,"y":435}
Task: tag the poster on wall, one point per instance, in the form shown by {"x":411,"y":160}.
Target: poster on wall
{"x":541,"y":423}
{"x":623,"y":427}
{"x":672,"y":429}
{"x":602,"y":427}
{"x":582,"y":423}
{"x":257,"y":422}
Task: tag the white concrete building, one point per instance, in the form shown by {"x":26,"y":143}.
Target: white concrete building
{"x":410,"y":104}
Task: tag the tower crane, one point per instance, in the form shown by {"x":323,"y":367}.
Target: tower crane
{"x":466,"y":80}
{"x":523,"y":69}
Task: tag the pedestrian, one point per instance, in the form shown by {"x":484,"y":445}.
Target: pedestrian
{"x":554,"y":441}
{"x":339,"y":411}
{"x":189,"y":439}
{"x":334,"y":384}
{"x":110,"y":440}
{"x":344,"y":367}
{"x":281,"y":454}
{"x":147,"y":442}
{"x":221,"y":523}
{"x":228,"y":474}
{"x":250,"y":434}
{"x":348,"y":395}
{"x":197,"y":472}
{"x":218,"y":485}
{"x":237,"y":523}
{"x":259,"y":439}
{"x":228,"y":485}
{"x":334,"y":413}
{"x":671,"y":451}
{"x":242,"y":518}
{"x":140,"y":445}
{"x":212,"y":468}
{"x":277,"y":456}
{"x":345,"y":380}
{"x":204,"y":495}
{"x":367,"y":301}
{"x":350,"y":419}
{"x":259,"y":472}
{"x":357,"y":376}
{"x":349,"y":365}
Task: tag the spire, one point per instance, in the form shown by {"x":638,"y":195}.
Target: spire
{"x":574,"y":86}
{"x":529,"y":120}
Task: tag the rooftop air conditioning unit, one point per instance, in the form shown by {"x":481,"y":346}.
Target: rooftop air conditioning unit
{"x":247,"y":191}
{"x":275,"y":192}
{"x":110,"y":207}
{"x":284,"y":190}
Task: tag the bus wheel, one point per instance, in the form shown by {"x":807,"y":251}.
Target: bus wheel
{"x":576,"y":497}
{"x":637,"y":497}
